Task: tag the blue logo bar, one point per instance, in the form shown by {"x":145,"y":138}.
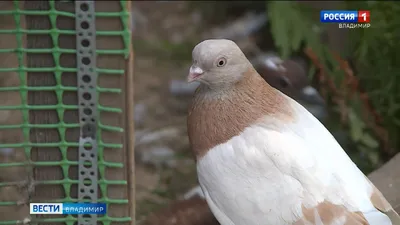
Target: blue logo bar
{"x":334,"y":16}
{"x":84,"y":208}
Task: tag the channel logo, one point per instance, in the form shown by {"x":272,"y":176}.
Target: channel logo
{"x":345,"y":16}
{"x":68,"y":208}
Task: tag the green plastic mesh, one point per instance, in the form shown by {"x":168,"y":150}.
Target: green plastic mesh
{"x":58,"y":70}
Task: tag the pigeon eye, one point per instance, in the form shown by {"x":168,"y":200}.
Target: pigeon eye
{"x":221,"y":62}
{"x":284,"y":82}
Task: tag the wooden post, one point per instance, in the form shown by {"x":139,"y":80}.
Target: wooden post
{"x":130,"y":128}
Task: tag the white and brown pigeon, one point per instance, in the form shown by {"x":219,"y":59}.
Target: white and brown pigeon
{"x":263,"y":159}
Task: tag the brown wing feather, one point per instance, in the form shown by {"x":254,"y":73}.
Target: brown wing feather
{"x":329,"y":213}
{"x":381,"y":204}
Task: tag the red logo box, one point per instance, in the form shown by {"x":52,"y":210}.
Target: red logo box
{"x":364,"y":16}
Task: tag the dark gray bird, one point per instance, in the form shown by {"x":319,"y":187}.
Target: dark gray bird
{"x":290,"y":77}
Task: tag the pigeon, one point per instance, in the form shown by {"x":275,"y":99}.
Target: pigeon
{"x":262,"y":158}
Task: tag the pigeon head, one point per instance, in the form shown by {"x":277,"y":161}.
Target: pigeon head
{"x":217,"y":63}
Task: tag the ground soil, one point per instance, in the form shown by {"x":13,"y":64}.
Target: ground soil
{"x":163,"y":40}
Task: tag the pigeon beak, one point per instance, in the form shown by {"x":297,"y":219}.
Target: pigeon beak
{"x":311,"y":96}
{"x":194,"y":74}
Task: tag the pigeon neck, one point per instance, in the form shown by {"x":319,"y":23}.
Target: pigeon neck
{"x":217,"y":116}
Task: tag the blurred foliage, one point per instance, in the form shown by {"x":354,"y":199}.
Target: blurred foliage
{"x":375,"y":52}
{"x":217,"y":12}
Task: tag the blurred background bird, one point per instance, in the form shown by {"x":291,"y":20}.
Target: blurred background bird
{"x":290,"y":77}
